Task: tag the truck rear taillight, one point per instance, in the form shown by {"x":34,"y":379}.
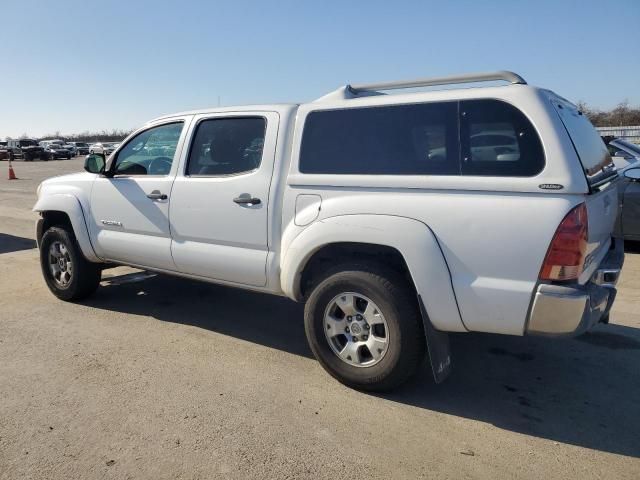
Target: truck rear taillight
{"x":566,"y":253}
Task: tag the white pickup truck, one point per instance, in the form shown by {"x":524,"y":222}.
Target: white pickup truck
{"x":397,"y":217}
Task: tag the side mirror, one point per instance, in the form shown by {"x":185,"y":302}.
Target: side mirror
{"x":95,"y":163}
{"x":632,"y":174}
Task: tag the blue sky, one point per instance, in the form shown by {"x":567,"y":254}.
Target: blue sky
{"x":72,"y":66}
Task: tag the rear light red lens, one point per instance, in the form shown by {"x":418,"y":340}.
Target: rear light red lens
{"x":568,"y":248}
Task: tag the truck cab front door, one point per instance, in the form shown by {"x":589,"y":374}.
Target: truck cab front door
{"x":130,"y":210}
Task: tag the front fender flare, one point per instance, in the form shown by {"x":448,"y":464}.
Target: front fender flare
{"x":69,"y":204}
{"x":413,"y":239}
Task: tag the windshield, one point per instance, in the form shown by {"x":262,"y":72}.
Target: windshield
{"x":27,"y":143}
{"x":78,"y":144}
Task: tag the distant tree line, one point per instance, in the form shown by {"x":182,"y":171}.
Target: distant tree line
{"x":114,"y":135}
{"x":620,"y":116}
{"x":623,"y":114}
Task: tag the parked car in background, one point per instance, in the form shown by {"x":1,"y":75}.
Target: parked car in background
{"x":96,"y":148}
{"x":622,"y":152}
{"x":110,"y":147}
{"x":45,"y":143}
{"x":79,"y":148}
{"x":628,"y":225}
{"x":5,"y":151}
{"x":71,"y":148}
{"x":106,"y":148}
{"x":60,"y":143}
{"x":491,"y":146}
{"x":82,"y":148}
{"x":626,"y":156}
{"x":339,"y":203}
{"x":55,"y":151}
{"x":27,"y":149}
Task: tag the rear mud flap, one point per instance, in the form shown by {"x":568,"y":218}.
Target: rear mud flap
{"x":437,"y":347}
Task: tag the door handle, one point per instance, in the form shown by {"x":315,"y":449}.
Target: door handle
{"x":248,"y":200}
{"x":156,"y":195}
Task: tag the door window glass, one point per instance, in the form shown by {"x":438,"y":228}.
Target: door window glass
{"x":150,"y":152}
{"x":227,"y":146}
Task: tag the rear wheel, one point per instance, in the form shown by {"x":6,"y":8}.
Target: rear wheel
{"x":364,"y":327}
{"x":67,"y":273}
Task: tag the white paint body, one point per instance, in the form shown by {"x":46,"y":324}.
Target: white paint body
{"x":474,"y":245}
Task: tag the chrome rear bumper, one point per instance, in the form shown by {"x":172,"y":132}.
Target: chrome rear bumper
{"x":560,"y":310}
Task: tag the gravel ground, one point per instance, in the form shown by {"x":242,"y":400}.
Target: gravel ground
{"x":158,"y":377}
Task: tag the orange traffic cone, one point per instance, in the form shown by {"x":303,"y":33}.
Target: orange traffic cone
{"x":12,"y":174}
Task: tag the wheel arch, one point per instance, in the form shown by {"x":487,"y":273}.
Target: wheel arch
{"x":48,"y":219}
{"x":408,"y":244}
{"x":65,"y":209}
{"x":328,"y":255}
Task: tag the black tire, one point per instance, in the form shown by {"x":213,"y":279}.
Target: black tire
{"x":85,"y":276}
{"x":398,"y":304}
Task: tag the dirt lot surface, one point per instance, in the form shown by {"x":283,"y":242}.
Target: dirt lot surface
{"x":156,"y":377}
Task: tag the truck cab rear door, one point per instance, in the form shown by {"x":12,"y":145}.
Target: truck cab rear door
{"x":220,"y":199}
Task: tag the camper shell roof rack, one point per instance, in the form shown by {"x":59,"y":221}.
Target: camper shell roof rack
{"x":371,"y":89}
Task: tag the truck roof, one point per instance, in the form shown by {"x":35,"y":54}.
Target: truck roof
{"x":231,"y":108}
{"x":361,"y":91}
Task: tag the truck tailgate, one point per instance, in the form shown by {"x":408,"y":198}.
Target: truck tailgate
{"x":602,"y":210}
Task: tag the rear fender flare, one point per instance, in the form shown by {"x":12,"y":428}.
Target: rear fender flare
{"x":413,"y":239}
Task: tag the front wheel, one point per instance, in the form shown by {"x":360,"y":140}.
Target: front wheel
{"x":67,"y":273}
{"x":364,"y":327}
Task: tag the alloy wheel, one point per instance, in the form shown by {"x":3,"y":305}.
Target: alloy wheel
{"x":356,"y":329}
{"x":60,"y":264}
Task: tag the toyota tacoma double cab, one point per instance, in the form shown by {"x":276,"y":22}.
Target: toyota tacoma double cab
{"x":397,"y":216}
